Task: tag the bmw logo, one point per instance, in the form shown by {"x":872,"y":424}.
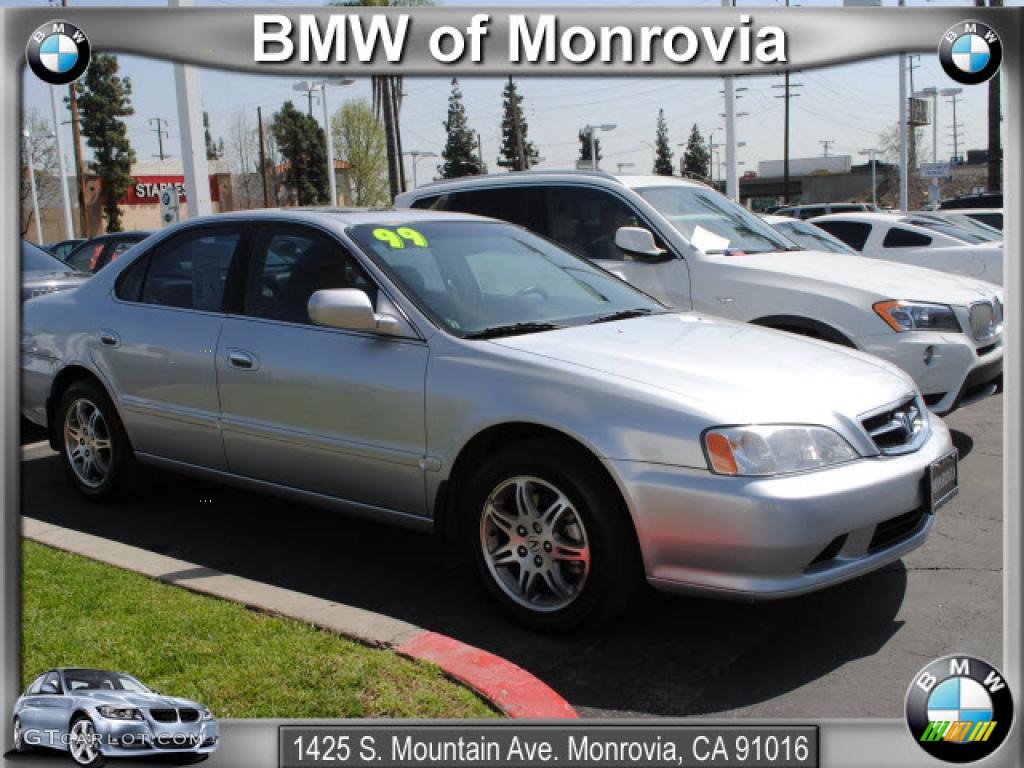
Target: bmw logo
{"x":58,"y":52}
{"x":971,"y":52}
{"x":959,"y":709}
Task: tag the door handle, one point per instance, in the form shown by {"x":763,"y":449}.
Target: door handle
{"x":109,"y":338}
{"x":242,"y":360}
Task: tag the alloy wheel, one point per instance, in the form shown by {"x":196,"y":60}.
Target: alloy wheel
{"x":535,"y":544}
{"x":87,"y":442}
{"x":83,"y":742}
{"x":18,"y":746}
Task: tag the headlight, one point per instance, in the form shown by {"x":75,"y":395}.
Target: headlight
{"x":207,"y":714}
{"x":119,"y":713}
{"x":773,"y":450}
{"x":917,"y":316}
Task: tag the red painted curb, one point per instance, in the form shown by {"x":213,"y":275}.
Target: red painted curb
{"x":511,"y":689}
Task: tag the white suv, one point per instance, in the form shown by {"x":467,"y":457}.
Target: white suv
{"x":692,"y":248}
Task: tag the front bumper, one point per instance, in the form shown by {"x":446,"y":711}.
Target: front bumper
{"x":958,"y":370}
{"x":135,"y":738}
{"x":776,"y":537}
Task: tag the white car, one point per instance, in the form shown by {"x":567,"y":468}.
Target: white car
{"x":989,"y":217}
{"x":692,"y":248}
{"x":919,"y":240}
{"x":811,"y":237}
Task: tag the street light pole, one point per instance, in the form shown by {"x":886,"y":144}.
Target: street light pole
{"x":932,"y":94}
{"x":69,"y":227}
{"x":310,"y":87}
{"x":874,"y":186}
{"x":591,"y":130}
{"x":416,"y":154}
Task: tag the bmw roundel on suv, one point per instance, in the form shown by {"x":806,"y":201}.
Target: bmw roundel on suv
{"x":93,"y":714}
{"x":696,"y":249}
{"x":464,"y":375}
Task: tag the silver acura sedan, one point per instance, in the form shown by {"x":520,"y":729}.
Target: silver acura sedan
{"x":459,"y":374}
{"x":94,"y":714}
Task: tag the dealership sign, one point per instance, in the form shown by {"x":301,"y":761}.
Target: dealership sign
{"x":145,"y":190}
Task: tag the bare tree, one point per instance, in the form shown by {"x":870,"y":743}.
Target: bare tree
{"x":41,"y":146}
{"x":243,"y":154}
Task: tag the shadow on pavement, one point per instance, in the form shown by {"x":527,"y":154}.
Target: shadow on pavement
{"x":963,"y":442}
{"x":668,"y":656}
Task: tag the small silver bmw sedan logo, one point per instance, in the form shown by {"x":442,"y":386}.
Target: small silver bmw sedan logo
{"x":971,"y":52}
{"x":58,"y":52}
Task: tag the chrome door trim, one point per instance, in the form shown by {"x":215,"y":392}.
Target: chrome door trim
{"x":324,"y":329}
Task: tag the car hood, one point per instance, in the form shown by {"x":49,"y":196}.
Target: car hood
{"x":727,"y":370}
{"x":138,"y":700}
{"x":884,"y":279}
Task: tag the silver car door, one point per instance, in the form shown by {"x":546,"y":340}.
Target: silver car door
{"x":30,"y":712}
{"x":52,"y":706}
{"x":334,"y":412}
{"x":155,"y":342}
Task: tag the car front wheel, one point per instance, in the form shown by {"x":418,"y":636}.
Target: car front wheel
{"x":83,"y":743}
{"x":19,"y":737}
{"x":551,"y":538}
{"x":94,"y":447}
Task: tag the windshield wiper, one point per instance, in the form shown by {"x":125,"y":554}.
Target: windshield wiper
{"x":512,"y":329}
{"x":624,"y":314}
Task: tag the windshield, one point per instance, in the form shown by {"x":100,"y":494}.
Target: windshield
{"x":978,"y":229}
{"x":712,"y":222}
{"x":487,"y":278}
{"x":813,"y":238}
{"x":943,"y":227}
{"x":35,"y":259}
{"x":98,"y":680}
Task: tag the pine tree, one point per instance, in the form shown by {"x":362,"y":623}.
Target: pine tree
{"x":585,"y":147}
{"x":697,"y":160}
{"x":460,"y":151}
{"x":517,"y":152}
{"x":214,"y":149}
{"x":662,"y":148}
{"x":104,"y":98}
{"x":302,"y":144}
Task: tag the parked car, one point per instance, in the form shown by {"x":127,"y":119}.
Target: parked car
{"x":692,"y":248}
{"x":63,"y":248}
{"x":94,"y":254}
{"x":42,"y":273}
{"x":809,"y":236}
{"x":459,"y":374}
{"x":981,"y":200}
{"x":960,"y":226}
{"x":918,"y":241}
{"x":991,"y":217}
{"x":811,"y":210}
{"x":93,"y":714}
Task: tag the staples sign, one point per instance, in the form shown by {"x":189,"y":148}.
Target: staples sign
{"x":146,"y":189}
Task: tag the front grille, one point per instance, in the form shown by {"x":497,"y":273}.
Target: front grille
{"x":164,"y":715}
{"x":984,"y":324}
{"x":896,"y":529}
{"x":897,"y":429}
{"x":188,"y":715}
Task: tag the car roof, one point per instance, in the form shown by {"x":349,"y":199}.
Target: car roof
{"x":345,"y":217}
{"x":114,"y":235}
{"x":600,"y":178}
{"x":875,"y":216}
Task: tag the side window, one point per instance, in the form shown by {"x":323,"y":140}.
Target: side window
{"x":585,"y":220}
{"x":36,"y":686}
{"x":289,"y":264}
{"x":84,"y":259}
{"x":51,"y":684}
{"x":189,"y":271}
{"x":430,"y":203}
{"x":897,"y":237}
{"x":853,"y":233}
{"x":522,"y":205}
{"x":119,"y":248}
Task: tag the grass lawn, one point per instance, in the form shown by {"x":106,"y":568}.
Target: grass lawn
{"x":239,"y":663}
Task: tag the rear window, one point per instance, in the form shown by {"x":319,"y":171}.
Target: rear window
{"x":897,"y":237}
{"x":853,"y":233}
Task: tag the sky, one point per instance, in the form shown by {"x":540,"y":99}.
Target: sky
{"x":849,"y":106}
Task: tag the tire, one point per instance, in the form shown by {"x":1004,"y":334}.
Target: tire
{"x":82,"y":753}
{"x":19,"y":740}
{"x":94,"y":447}
{"x":542,"y":514}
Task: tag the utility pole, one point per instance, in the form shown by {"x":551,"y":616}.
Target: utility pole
{"x":159,"y":124}
{"x":953,"y":94}
{"x":32,"y":183}
{"x":76,"y":135}
{"x":394,"y":160}
{"x":911,"y":128}
{"x":995,"y":119}
{"x":263,"y":159}
{"x":480,"y":150}
{"x":787,"y":95}
{"x":826,"y":143}
{"x":871,"y":153}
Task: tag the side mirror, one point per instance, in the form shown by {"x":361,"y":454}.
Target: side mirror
{"x":349,"y":309}
{"x":638,"y":241}
{"x":48,"y":688}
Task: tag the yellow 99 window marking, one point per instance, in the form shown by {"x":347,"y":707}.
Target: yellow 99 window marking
{"x":397,"y":238}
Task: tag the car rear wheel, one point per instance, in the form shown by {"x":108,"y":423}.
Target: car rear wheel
{"x":83,"y":743}
{"x":94,"y":447}
{"x":19,"y":737}
{"x":551,"y":538}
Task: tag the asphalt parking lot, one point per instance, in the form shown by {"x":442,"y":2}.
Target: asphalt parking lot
{"x":846,"y":652}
